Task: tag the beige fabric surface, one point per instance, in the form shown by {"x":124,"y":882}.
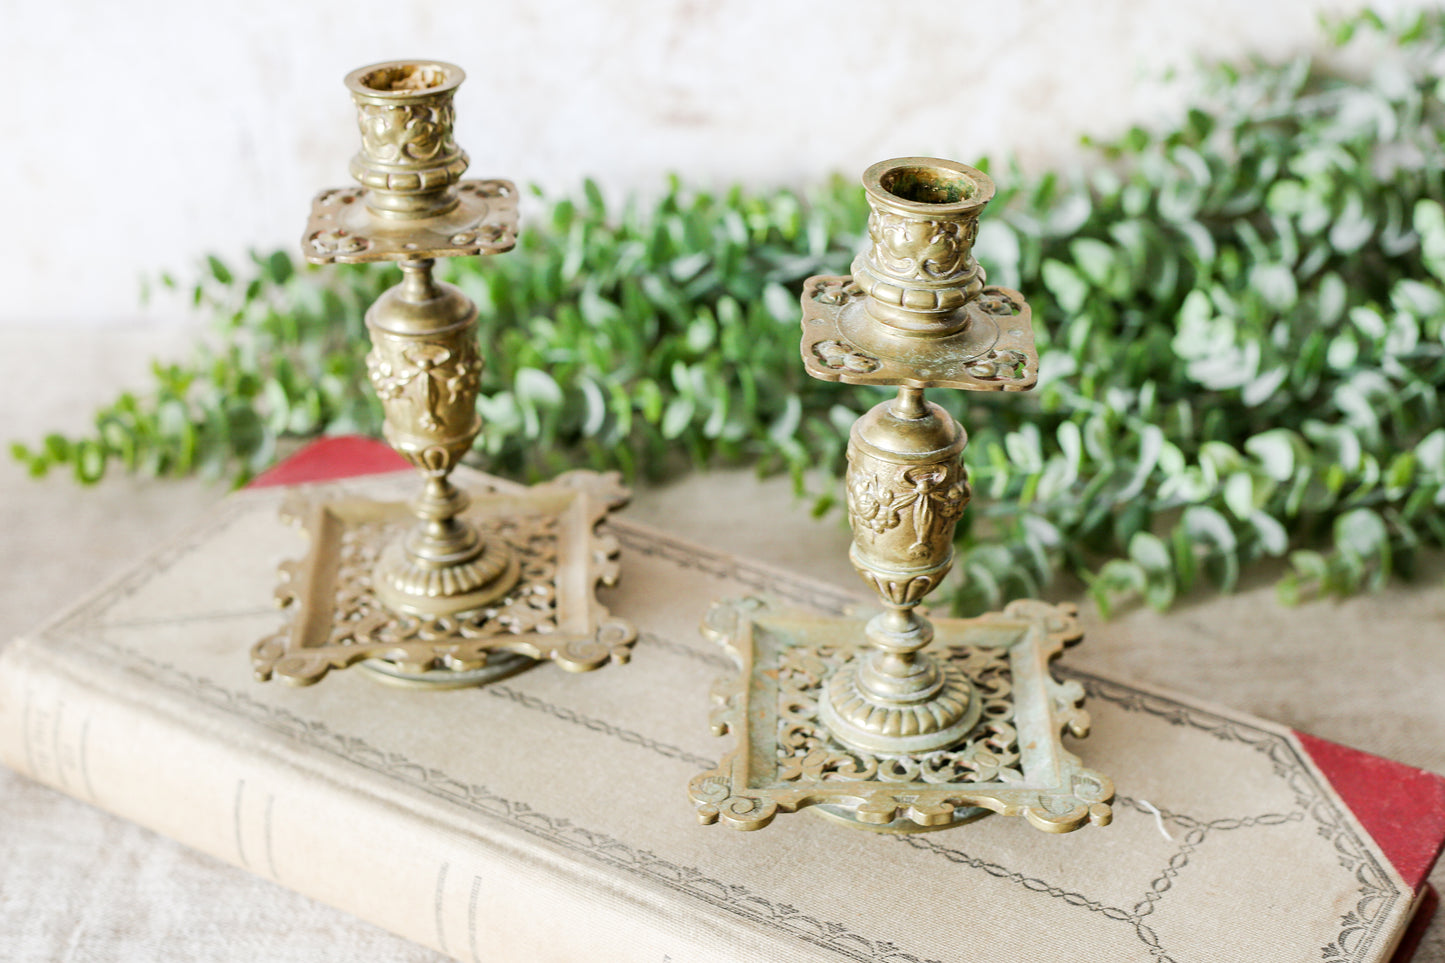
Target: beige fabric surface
{"x":77,"y":884}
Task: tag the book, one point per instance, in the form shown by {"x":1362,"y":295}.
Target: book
{"x":546,"y":817}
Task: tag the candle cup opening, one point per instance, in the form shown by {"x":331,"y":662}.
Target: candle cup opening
{"x":396,"y":78}
{"x":928,"y":185}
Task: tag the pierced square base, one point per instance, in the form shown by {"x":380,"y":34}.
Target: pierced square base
{"x":1012,"y":762}
{"x":552,"y":613}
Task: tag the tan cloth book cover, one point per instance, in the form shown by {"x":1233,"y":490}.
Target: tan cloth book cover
{"x":545,"y":817}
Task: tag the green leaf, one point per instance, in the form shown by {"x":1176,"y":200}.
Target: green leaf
{"x":781,"y":303}
{"x":1276,"y":284}
{"x":219,"y":271}
{"x":596,"y":416}
{"x":1333,"y":298}
{"x":1352,"y":227}
{"x":1430,"y":225}
{"x":1277,"y":450}
{"x":678,"y":415}
{"x":1361,"y":532}
{"x":1239,"y":494}
{"x":785,"y":426}
{"x":1094,"y":259}
{"x":1153,"y":558}
{"x":1222,"y":561}
{"x":1273,"y":538}
{"x":538,"y":388}
{"x":595,"y":201}
{"x":89,"y":462}
{"x":1117,"y":578}
{"x":1065,"y":284}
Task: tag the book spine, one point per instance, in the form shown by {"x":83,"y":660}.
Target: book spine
{"x":447,"y":887}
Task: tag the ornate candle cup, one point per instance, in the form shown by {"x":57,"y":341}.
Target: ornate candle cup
{"x":919,"y":268}
{"x":855,"y":718}
{"x":408,"y":161}
{"x":457,"y":597}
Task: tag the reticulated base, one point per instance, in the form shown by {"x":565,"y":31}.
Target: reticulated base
{"x":1012,"y":761}
{"x":547,"y":608}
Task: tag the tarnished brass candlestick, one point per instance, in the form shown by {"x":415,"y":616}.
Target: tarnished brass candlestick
{"x":855,"y":717}
{"x":456,"y":598}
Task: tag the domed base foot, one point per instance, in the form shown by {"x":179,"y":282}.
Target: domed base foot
{"x":499,"y":666}
{"x":413,"y":585}
{"x":940,"y":714}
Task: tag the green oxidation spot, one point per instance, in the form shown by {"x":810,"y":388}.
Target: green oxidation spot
{"x":927,"y":185}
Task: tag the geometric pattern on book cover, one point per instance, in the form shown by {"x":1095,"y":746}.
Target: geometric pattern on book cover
{"x":785,"y":758}
{"x":1189,"y":848}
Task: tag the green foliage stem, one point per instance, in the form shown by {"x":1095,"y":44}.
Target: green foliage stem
{"x":1242,"y":351}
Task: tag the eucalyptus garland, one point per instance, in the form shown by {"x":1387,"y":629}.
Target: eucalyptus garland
{"x":1241,"y":351}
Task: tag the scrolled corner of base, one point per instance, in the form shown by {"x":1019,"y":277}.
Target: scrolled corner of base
{"x":930,"y":814}
{"x":264,"y":656}
{"x":612,"y":642}
{"x":724,"y":618}
{"x":619,"y":636}
{"x":1059,"y":621}
{"x":1048,"y":817}
{"x":288,"y":589}
{"x":606,"y":566}
{"x":604,"y":488}
{"x":1088,"y":799}
{"x":1101,"y":814}
{"x":726,"y":697}
{"x":743,"y":813}
{"x":292,"y":669}
{"x":300,"y":507}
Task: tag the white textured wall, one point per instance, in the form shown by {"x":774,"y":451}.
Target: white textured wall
{"x":140,"y":135}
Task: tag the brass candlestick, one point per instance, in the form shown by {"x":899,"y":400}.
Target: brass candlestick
{"x":855,"y":717}
{"x":454,"y":598}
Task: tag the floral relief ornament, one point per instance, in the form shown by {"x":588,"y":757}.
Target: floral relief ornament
{"x":921,"y":249}
{"x":936,"y":494}
{"x":395,"y":132}
{"x":870,"y":503}
{"x":431,"y":367}
{"x":832,"y":290}
{"x":841,"y":357}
